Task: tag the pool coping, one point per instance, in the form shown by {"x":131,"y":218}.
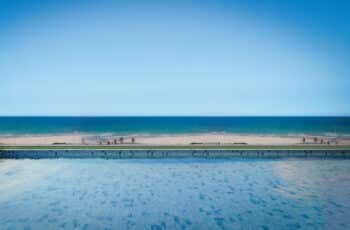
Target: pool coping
{"x":169,"y":153}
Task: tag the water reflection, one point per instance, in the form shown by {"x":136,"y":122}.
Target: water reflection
{"x":175,"y":194}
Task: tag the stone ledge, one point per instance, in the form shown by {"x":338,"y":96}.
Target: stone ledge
{"x":137,"y":154}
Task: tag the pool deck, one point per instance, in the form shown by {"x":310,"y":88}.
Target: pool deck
{"x":138,"y":151}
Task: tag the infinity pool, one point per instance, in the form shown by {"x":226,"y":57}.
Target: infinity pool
{"x":175,"y":194}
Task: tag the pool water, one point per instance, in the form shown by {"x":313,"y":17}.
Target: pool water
{"x":175,"y":194}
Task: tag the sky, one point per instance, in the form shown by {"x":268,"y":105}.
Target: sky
{"x":255,"y":57}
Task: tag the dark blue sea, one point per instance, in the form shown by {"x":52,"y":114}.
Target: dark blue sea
{"x":175,"y":125}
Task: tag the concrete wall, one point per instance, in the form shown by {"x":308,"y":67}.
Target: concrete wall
{"x":129,"y":154}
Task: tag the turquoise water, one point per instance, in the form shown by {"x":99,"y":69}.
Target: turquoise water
{"x":175,"y":194}
{"x":175,"y":125}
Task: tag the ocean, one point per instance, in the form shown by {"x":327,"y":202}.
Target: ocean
{"x":331,"y":126}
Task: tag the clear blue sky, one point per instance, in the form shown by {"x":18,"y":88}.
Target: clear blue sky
{"x":175,"y":57}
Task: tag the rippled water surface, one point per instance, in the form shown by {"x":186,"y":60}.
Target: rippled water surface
{"x":175,"y":194}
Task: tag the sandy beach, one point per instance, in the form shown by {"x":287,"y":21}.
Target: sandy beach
{"x":186,"y":139}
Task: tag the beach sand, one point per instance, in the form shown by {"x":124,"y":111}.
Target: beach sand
{"x":185,"y":139}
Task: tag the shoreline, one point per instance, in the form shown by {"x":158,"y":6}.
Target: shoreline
{"x":202,"y":139}
{"x":177,"y":148}
{"x":144,"y":134}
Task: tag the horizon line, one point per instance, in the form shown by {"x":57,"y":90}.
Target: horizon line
{"x":182,"y":115}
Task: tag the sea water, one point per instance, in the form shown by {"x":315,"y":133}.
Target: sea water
{"x":175,"y":194}
{"x":175,"y":125}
